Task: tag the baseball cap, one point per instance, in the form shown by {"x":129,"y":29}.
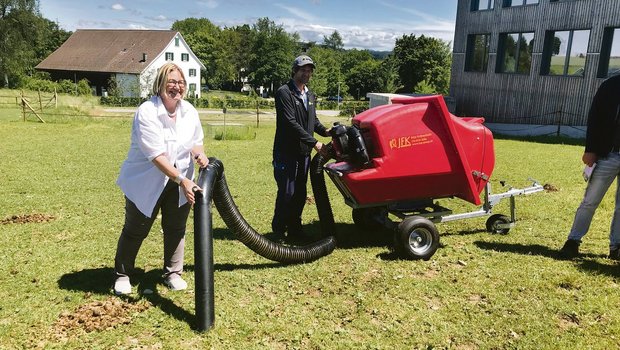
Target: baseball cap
{"x":303,"y":60}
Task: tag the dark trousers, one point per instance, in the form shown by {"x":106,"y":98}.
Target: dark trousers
{"x":137,"y":227}
{"x":291,"y":175}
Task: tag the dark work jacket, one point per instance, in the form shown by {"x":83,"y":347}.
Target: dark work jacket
{"x":295,"y":126}
{"x":603,"y":117}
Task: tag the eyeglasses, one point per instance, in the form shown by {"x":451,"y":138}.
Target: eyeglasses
{"x":173,"y":82}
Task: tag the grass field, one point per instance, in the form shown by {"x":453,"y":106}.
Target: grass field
{"x":62,"y":213}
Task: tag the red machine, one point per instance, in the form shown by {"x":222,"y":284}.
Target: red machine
{"x":399,"y":158}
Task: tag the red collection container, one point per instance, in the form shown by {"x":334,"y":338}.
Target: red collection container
{"x":418,"y":150}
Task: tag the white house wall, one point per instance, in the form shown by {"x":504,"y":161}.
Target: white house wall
{"x":148,"y":75}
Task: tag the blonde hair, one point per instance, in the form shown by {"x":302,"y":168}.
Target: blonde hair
{"x":161,"y":79}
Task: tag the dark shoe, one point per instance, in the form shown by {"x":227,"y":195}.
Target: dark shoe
{"x":299,"y":236}
{"x":614,"y":253}
{"x":276,"y":236}
{"x":570,"y":249}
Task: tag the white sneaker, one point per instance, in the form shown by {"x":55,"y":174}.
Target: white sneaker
{"x":122,"y":286}
{"x":175,"y":283}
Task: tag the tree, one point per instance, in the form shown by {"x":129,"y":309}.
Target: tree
{"x":202,"y":36}
{"x":423,"y":58}
{"x":388,"y":75}
{"x":351,"y":58}
{"x":334,"y":41}
{"x":27,"y":38}
{"x":273,"y":51}
{"x":327,"y":79}
{"x":363,"y":78}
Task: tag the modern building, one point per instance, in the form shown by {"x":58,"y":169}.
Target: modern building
{"x":533,"y":62}
{"x":129,"y":57}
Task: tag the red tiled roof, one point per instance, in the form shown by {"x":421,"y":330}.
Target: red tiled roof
{"x":110,"y":51}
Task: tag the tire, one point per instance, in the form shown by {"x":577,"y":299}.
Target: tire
{"x":369,"y":219}
{"x":494,"y":221}
{"x":416,"y":238}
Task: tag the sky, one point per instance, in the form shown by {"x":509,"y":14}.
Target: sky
{"x":362,"y":24}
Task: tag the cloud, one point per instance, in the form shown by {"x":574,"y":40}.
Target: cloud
{"x":297,"y":12}
{"x":118,"y":7}
{"x":209,"y":3}
{"x":379,"y":36}
{"x":420,"y":14}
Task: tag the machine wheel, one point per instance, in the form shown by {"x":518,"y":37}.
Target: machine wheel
{"x":417,"y":238}
{"x":494,"y":222}
{"x":369,"y":219}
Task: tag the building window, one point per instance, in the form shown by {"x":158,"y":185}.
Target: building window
{"x":513,"y":3}
{"x":192,"y":72}
{"x":169,"y":56}
{"x":184,"y":57}
{"x":176,"y":41}
{"x":515,"y":52}
{"x":477,"y":53}
{"x":565,"y":52}
{"x":480,"y":5}
{"x":192,"y":87}
{"x":610,"y":53}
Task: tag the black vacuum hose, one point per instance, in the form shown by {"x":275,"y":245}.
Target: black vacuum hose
{"x":212,"y":179}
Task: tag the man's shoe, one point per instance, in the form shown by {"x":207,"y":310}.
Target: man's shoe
{"x":570,"y":249}
{"x":175,"y":283}
{"x":614,"y":253}
{"x":122,"y":286}
{"x":299,"y":236}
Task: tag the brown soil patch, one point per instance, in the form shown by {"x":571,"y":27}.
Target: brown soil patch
{"x":27,"y":218}
{"x":98,"y":315}
{"x":550,"y":188}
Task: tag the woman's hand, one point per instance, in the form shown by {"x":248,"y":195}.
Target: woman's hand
{"x":201,"y":159}
{"x":589,"y":158}
{"x":189,"y":190}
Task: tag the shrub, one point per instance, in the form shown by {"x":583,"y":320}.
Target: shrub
{"x":82,"y":88}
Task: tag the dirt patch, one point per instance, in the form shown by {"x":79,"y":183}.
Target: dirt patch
{"x":27,"y":218}
{"x":550,"y":188}
{"x":98,"y":315}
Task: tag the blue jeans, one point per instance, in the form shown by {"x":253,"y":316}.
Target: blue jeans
{"x":291,"y":175}
{"x":607,"y":169}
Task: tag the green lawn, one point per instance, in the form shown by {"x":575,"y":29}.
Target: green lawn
{"x":479,"y":291}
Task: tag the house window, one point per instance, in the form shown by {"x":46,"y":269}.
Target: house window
{"x":480,"y":5}
{"x":565,"y":52}
{"x":169,"y":56}
{"x":477,"y":53}
{"x":192,"y":87}
{"x":192,"y":72}
{"x":184,"y":57}
{"x":610,"y":53}
{"x":515,"y":53}
{"x":513,"y":3}
{"x":176,"y":41}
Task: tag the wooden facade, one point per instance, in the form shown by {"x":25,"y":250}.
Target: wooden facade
{"x":534,"y":97}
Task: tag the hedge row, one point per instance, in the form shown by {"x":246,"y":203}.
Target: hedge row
{"x":347,"y":108}
{"x":63,"y":86}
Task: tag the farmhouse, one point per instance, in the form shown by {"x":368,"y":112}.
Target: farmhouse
{"x":533,"y":61}
{"x":130,"y":58}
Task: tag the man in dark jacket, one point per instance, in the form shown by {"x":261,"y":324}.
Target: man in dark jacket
{"x":603,"y":151}
{"x":296,"y":122}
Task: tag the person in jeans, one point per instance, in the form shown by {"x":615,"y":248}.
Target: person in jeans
{"x":602,"y":149}
{"x":166,"y":140}
{"x":296,"y":122}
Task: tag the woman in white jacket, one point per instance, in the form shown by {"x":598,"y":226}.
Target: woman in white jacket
{"x":166,"y":140}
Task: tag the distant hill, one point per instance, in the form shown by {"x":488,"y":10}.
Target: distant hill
{"x":379,"y":54}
